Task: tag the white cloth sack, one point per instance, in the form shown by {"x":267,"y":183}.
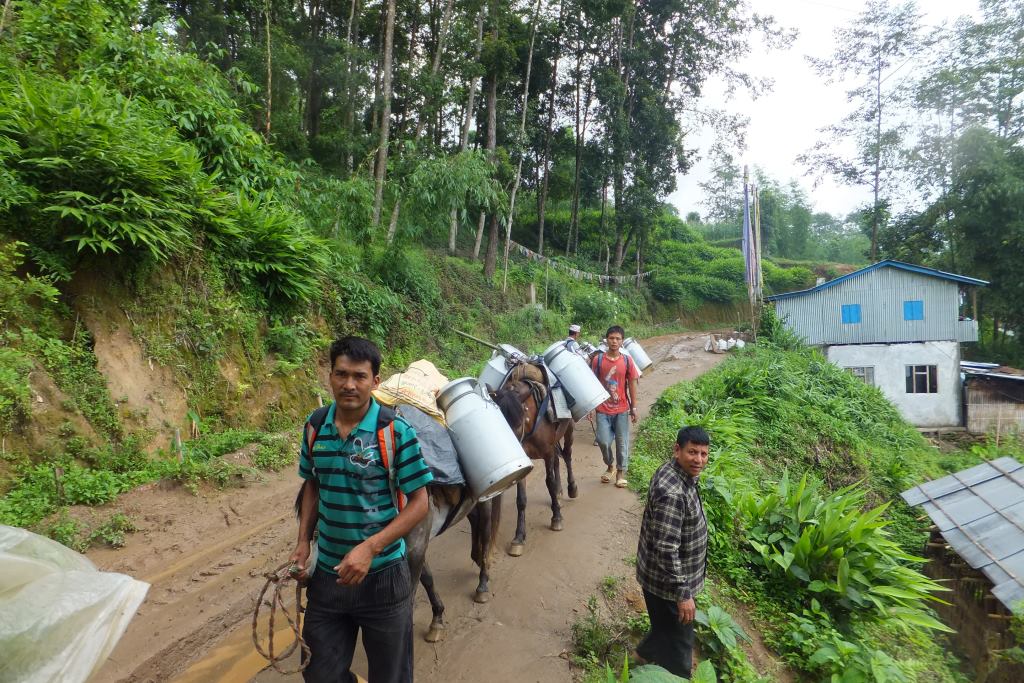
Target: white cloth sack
{"x":60,"y":617}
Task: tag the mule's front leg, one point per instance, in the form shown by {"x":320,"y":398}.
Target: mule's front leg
{"x":551,"y":467}
{"x":437,"y":628}
{"x":515,"y":548}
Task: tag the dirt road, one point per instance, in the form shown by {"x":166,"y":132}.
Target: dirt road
{"x":205,"y":557}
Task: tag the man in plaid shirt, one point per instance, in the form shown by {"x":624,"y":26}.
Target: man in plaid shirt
{"x":672,"y":554}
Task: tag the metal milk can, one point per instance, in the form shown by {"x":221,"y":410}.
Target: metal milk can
{"x":637,"y":353}
{"x":585,"y":390}
{"x":491,"y":457}
{"x":494,"y":372}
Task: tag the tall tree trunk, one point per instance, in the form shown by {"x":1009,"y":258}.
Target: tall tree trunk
{"x":314,"y":93}
{"x":3,"y":16}
{"x":435,"y":66}
{"x":453,"y":230}
{"x":490,"y":259}
{"x":266,"y":123}
{"x":581,"y":134}
{"x":626,"y":114}
{"x":385,"y":116}
{"x":479,"y":234}
{"x":351,"y":38}
{"x":522,"y":137}
{"x":548,"y":133}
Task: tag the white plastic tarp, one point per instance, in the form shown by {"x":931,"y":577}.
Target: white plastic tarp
{"x":60,"y":617}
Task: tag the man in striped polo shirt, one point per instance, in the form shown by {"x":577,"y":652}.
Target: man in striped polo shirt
{"x":361,"y":578}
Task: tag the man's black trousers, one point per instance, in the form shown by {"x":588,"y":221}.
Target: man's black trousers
{"x":380,"y":606}
{"x":669,"y":643}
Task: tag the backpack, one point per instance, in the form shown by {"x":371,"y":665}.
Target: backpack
{"x":385,"y":443}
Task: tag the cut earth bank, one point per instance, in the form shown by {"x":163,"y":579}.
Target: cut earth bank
{"x":205,"y":557}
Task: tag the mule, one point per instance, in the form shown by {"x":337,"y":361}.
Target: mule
{"x":523,"y":399}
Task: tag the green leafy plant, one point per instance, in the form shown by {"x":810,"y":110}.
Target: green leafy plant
{"x":112,"y":532}
{"x":827,"y":544}
{"x":720,"y":631}
{"x":609,"y":586}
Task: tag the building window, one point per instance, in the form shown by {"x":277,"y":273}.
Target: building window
{"x":851,"y":314}
{"x":913,"y":310}
{"x":864,"y":374}
{"x":922,"y":379}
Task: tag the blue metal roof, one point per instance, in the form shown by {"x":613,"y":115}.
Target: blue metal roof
{"x":888,"y":263}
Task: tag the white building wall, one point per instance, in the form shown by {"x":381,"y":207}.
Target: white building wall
{"x":941,"y":409}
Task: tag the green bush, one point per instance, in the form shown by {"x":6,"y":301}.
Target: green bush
{"x":274,"y":250}
{"x":376,"y":310}
{"x":112,"y":531}
{"x":409,"y":274}
{"x":15,"y":399}
{"x":599,"y":309}
{"x":105,"y":174}
{"x":828,"y":544}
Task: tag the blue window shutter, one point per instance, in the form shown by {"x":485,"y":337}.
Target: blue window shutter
{"x":851,"y":314}
{"x":913,"y":310}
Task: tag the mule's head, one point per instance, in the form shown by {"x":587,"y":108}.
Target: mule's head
{"x":511,"y":406}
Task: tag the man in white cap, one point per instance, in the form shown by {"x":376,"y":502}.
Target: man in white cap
{"x":572,"y":341}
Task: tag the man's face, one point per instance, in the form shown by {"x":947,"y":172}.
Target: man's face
{"x":692,"y":457}
{"x":351,"y":382}
{"x":614,"y":341}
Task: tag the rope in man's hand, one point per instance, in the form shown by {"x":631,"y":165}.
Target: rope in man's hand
{"x":279,"y":577}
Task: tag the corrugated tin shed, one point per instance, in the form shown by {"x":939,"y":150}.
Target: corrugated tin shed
{"x":980,"y":513}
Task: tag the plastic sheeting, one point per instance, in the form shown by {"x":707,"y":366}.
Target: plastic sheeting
{"x":60,"y":617}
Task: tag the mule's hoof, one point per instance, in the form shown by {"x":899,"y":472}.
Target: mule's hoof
{"x":573,"y":491}
{"x":435,"y":634}
{"x":515,"y":549}
{"x":556,"y":525}
{"x":481,"y":597}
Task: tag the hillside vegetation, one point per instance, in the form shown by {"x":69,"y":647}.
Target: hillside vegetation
{"x":164,"y":268}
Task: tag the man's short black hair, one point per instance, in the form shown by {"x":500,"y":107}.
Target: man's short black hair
{"x":613,"y":329}
{"x":357,"y":349}
{"x":694,"y":435}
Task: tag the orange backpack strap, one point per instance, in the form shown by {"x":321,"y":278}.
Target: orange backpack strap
{"x":386,"y":444}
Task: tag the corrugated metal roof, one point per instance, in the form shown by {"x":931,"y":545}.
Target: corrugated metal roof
{"x":888,"y":263}
{"x":985,"y":373}
{"x":980,"y":513}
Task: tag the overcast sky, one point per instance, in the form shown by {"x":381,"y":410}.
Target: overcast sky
{"x":785,"y":122}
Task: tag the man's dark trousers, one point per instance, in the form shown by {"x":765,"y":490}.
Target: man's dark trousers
{"x":380,"y":606}
{"x":669,"y":643}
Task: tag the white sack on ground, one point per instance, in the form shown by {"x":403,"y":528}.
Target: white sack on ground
{"x":60,"y":617}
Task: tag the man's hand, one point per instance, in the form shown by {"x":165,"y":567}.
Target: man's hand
{"x":300,"y":557}
{"x":355,"y":565}
{"x":632,"y":416}
{"x":687,"y":610}
{"x":590,"y":417}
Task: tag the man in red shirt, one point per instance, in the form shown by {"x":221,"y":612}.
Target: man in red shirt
{"x":618,"y":373}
